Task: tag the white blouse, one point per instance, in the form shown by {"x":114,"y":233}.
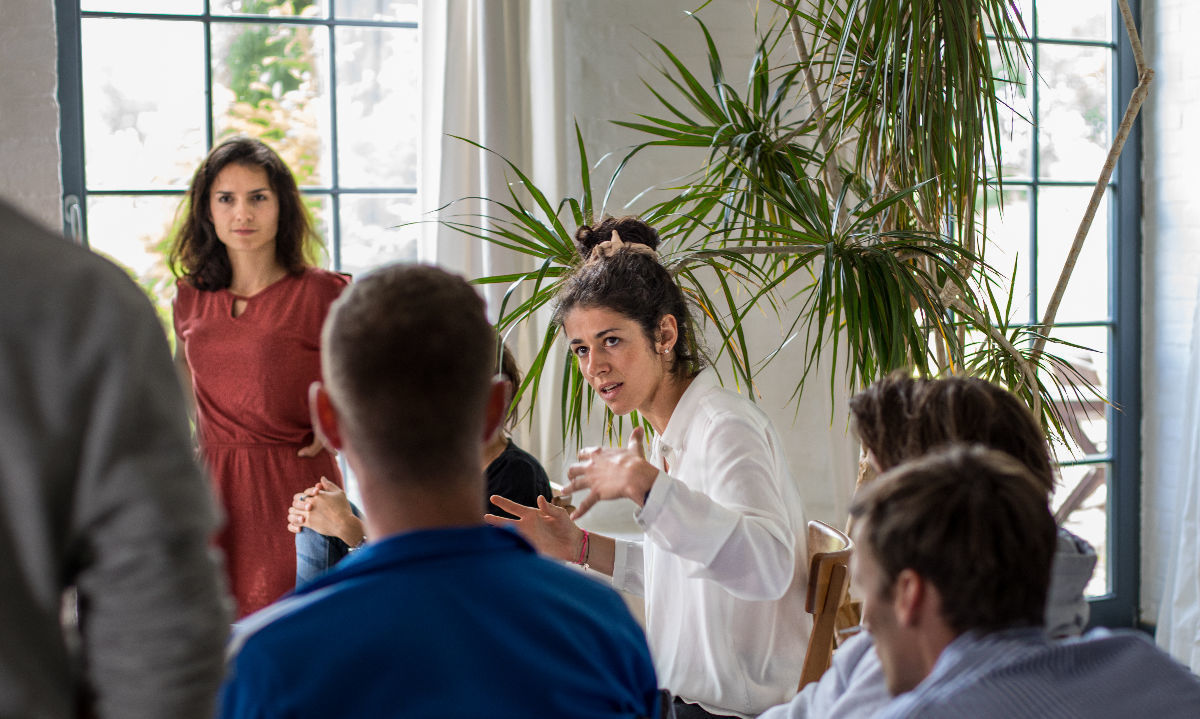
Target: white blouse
{"x":723,"y":568}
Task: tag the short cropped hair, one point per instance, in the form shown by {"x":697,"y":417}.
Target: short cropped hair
{"x":900,"y":418}
{"x":971,"y":521}
{"x":408,"y":356}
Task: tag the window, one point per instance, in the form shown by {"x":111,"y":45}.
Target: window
{"x":1057,"y":137}
{"x":148,"y":86}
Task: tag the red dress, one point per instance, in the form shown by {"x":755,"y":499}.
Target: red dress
{"x":250,"y":375}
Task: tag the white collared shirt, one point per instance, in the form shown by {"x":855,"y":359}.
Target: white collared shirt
{"x":723,"y":568}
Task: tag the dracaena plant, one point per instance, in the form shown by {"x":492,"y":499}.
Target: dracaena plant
{"x":844,"y":190}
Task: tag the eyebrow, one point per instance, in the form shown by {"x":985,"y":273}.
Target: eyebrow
{"x":248,"y":192}
{"x":598,"y":335}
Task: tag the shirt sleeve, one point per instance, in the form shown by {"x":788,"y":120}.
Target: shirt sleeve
{"x":628,"y":567}
{"x":740,"y":535}
{"x":153,"y":611}
{"x":852,"y":688}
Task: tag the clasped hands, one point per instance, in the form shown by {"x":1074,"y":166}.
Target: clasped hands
{"x":607,"y":472}
{"x":325,"y":509}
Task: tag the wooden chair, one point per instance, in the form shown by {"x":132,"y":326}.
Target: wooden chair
{"x":828,"y":578}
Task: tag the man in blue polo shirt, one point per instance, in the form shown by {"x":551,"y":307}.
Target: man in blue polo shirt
{"x":438,"y":615}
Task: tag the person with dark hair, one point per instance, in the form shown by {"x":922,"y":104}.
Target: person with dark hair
{"x":722,"y":567}
{"x":900,"y":418}
{"x":952,"y":560}
{"x":248,"y":313}
{"x":328,"y":526}
{"x":438,"y":615}
{"x":113,"y":605}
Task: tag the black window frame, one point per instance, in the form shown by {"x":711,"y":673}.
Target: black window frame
{"x":75,"y":193}
{"x":1120,"y":606}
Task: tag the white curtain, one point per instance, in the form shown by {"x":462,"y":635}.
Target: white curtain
{"x":492,"y":74}
{"x":1178,"y":629}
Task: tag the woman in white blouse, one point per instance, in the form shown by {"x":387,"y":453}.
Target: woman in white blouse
{"x":722,"y":567}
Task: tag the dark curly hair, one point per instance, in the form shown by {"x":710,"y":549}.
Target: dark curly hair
{"x":899,"y":418}
{"x":634,"y":284}
{"x":200,"y":257}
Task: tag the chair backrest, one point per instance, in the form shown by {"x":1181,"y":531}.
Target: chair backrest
{"x":828,"y":578}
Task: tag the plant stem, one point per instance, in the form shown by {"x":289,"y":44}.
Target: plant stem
{"x":1145,"y":77}
{"x":831,"y":175}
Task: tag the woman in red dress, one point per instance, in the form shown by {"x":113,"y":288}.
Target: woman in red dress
{"x":248,"y":316}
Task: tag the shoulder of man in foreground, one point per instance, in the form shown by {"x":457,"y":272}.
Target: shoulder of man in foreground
{"x":460,"y":622}
{"x":94,"y":417}
{"x":1103,"y":674}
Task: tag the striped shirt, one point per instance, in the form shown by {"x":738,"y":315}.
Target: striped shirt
{"x":1019,"y":673}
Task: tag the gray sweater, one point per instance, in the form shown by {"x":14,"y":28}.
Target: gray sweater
{"x":98,"y":491}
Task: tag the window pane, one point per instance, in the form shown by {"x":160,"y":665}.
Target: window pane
{"x":320,"y":206}
{"x":1060,"y":210}
{"x":1086,"y":417}
{"x":1008,"y":245}
{"x":143,"y":121}
{"x":135,"y":232}
{"x":1081,"y":505}
{"x":378,"y":117}
{"x":1075,"y":19}
{"x":275,"y":8}
{"x":391,"y":10}
{"x":1074,"y":126}
{"x":370,"y":236}
{"x":162,"y":7}
{"x":1016,"y":119}
{"x":270,"y":82}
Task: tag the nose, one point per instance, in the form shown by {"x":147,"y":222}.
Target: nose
{"x":593,"y":365}
{"x":242,"y":210}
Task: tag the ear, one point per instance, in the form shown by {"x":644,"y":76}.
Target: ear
{"x":497,"y":407}
{"x":324,"y":416}
{"x":909,"y":595}
{"x":667,"y":335}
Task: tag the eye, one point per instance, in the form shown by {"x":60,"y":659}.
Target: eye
{"x":579,"y":350}
{"x":611,"y":341}
{"x":260,"y":198}
{"x":224,"y":198}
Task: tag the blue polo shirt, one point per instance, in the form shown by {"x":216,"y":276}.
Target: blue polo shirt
{"x":443,"y":623}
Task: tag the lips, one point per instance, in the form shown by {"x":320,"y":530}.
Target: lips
{"x":609,"y":390}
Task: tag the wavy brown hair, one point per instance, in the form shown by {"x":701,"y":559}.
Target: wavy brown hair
{"x":634,"y":284}
{"x":899,"y":418}
{"x":198,"y":256}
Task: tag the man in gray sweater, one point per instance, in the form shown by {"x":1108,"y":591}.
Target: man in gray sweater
{"x":100,"y":498}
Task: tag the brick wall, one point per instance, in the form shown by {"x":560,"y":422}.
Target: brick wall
{"x":29,"y":174}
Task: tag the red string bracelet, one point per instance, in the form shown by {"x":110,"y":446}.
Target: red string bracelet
{"x":583,"y":550}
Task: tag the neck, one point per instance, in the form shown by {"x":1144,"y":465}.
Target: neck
{"x":662,"y":404}
{"x":395,"y":504}
{"x":254,"y":271}
{"x":494,"y":448}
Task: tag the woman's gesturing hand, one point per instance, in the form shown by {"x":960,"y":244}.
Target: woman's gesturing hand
{"x":546,"y":527}
{"x":611,"y":473}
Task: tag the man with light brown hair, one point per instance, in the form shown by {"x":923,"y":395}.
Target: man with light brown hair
{"x":952,"y":562}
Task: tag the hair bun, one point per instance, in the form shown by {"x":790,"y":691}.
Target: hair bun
{"x":631,"y":229}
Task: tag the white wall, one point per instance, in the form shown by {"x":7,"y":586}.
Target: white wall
{"x":29,"y":175}
{"x":1171,"y":273}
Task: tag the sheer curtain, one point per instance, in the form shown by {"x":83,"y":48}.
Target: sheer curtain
{"x":1178,"y":629}
{"x":492,"y":74}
